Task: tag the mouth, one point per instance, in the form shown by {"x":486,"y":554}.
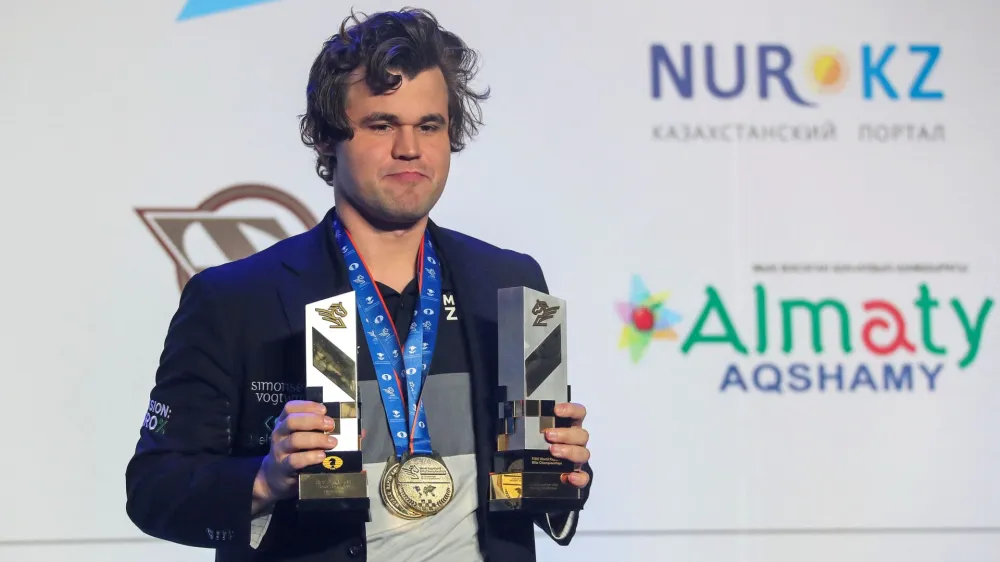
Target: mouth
{"x":407,"y":176}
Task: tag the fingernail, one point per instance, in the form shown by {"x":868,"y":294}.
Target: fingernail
{"x":551,"y":434}
{"x":332,"y":440}
{"x":320,"y":456}
{"x":556,"y":450}
{"x":328,"y":423}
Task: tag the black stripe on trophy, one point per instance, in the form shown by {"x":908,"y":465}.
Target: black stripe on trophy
{"x":543,"y":360}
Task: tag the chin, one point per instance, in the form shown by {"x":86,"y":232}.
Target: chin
{"x":399,"y":216}
{"x":410,"y":209}
{"x":406,"y":216}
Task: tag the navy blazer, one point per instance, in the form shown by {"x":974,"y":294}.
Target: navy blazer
{"x":241,"y":324}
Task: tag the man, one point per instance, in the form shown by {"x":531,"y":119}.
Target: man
{"x":388,"y":102}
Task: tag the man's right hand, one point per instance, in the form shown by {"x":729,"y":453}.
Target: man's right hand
{"x":297,"y":441}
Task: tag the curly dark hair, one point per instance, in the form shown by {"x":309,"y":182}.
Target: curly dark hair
{"x":407,"y":42}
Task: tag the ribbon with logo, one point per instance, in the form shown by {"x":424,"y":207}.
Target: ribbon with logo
{"x":397,"y":366}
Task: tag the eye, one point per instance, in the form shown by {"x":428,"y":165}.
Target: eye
{"x":429,"y":127}
{"x":379,"y":127}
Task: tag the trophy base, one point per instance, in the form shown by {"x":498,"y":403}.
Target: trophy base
{"x":338,"y":484}
{"x":346,"y":491}
{"x":534,"y":506}
{"x":530,"y":460}
{"x":533,"y":492}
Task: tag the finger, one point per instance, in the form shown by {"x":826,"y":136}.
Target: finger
{"x":363,"y":433}
{"x":307,"y":440}
{"x":568,"y":436}
{"x":297,"y":461}
{"x":304,"y":422}
{"x":571,"y":453}
{"x":576,"y":412}
{"x":578,"y":478}
{"x":300,"y":407}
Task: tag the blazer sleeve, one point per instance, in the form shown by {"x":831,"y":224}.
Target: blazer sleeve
{"x":182,"y":485}
{"x":559,"y":526}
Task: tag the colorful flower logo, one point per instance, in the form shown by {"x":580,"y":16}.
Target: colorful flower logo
{"x":646,"y":318}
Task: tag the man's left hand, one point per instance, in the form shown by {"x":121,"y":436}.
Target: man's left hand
{"x":570,"y":443}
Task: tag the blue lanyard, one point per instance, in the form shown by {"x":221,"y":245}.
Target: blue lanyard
{"x":396,"y":368}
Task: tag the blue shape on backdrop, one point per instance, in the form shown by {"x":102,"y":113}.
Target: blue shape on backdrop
{"x":198,"y":8}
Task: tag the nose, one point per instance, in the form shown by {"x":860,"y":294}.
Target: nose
{"x":405,"y":145}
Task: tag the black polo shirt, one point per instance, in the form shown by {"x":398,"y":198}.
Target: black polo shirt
{"x":449,"y":353}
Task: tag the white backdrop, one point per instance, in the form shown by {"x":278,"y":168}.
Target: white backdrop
{"x":116,"y":117}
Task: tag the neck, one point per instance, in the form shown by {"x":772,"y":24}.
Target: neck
{"x":389,"y":250}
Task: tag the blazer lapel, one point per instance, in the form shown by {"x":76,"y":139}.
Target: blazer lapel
{"x":314,"y":271}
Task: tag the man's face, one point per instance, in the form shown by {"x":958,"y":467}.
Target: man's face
{"x":396,"y":166}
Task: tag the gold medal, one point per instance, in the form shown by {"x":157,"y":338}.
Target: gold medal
{"x":424,"y":484}
{"x":387,"y":489}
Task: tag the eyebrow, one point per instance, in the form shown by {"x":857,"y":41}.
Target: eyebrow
{"x":393,"y":119}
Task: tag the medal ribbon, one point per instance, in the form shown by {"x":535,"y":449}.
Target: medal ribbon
{"x":398,"y":367}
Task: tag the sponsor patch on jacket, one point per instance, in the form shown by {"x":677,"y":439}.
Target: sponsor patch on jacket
{"x":277,"y":392}
{"x":157,"y":416}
